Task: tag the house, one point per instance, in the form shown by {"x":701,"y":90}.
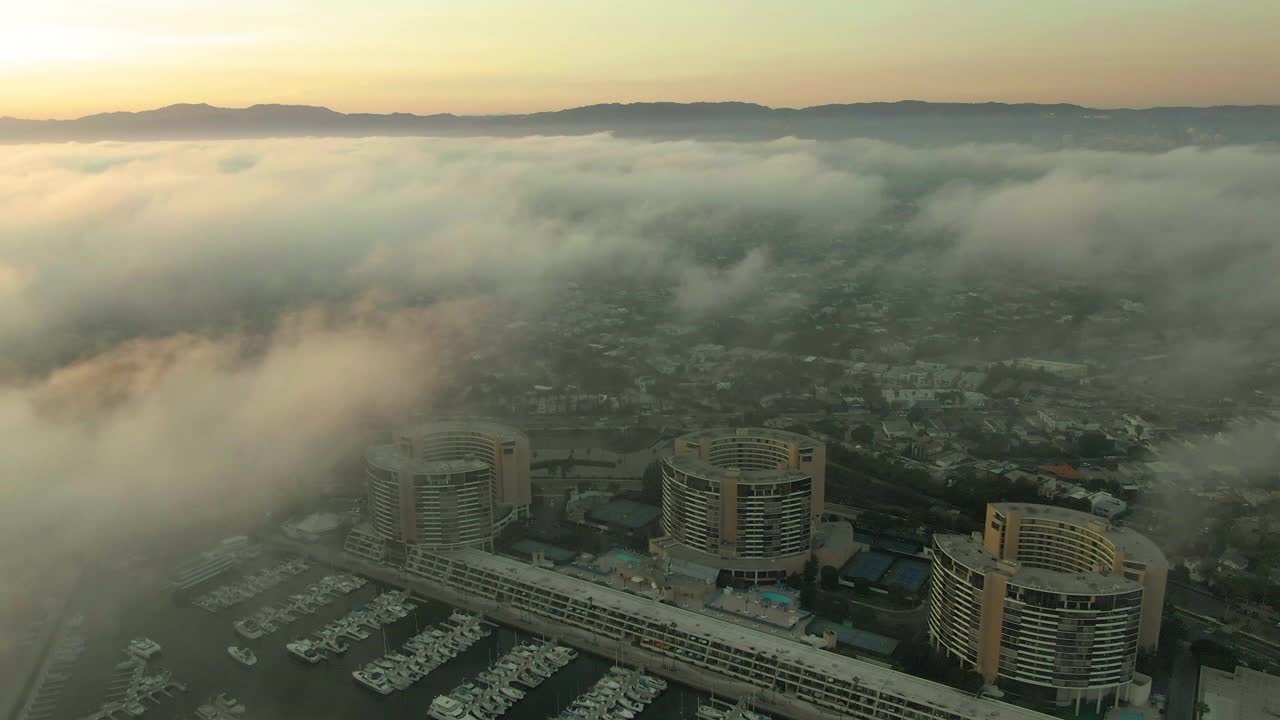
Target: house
{"x":897,"y":428}
{"x":1232,"y":559}
{"x":1105,"y":505}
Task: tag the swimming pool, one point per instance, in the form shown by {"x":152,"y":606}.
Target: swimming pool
{"x":627,"y":557}
{"x":776,"y":598}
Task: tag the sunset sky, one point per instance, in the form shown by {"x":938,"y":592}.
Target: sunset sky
{"x":66,"y":58}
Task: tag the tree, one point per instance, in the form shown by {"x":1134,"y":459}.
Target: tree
{"x":651,"y":483}
{"x":809,"y":584}
{"x":1094,"y":445}
{"x":830,"y":577}
{"x":863,"y":434}
{"x":915,"y":414}
{"x":1214,"y":654}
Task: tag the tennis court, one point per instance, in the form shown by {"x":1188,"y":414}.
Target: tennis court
{"x":868,"y":565}
{"x":907,"y":574}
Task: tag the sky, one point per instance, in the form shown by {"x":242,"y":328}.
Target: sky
{"x":67,"y":58}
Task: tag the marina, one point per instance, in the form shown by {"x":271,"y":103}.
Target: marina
{"x":271,"y":618}
{"x":137,"y":686}
{"x":194,"y":646}
{"x":621,"y":694}
{"x":251,"y":586}
{"x":421,"y":654}
{"x":337,"y":636}
{"x":54,"y":676}
{"x":494,"y":691}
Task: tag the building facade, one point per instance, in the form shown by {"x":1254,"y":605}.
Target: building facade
{"x":783,"y":672}
{"x":447,"y":484}
{"x":1048,"y":599}
{"x":747,"y":500}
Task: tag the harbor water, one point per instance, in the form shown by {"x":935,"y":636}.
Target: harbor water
{"x":282,"y":687}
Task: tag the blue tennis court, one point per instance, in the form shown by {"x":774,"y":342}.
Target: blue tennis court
{"x":868,"y":565}
{"x":907,"y":574}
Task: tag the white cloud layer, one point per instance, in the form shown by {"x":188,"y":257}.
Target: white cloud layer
{"x":168,"y":329}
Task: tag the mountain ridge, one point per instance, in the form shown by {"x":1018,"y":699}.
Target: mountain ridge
{"x":904,"y":120}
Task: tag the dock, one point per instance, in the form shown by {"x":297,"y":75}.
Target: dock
{"x":493,"y":692}
{"x":422,"y":654}
{"x":621,"y":694}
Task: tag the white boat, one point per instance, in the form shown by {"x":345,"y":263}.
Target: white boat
{"x":706,"y":712}
{"x":528,"y":680}
{"x":305,"y":650}
{"x":511,"y":692}
{"x":143,"y":647}
{"x":447,"y":708}
{"x":228,"y":704}
{"x":244,"y":656}
{"x":374,"y":680}
{"x":248,"y":629}
{"x":653,"y":682}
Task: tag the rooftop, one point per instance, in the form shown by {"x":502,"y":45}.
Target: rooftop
{"x":969,"y":552}
{"x":1135,"y":545}
{"x":1243,"y":695}
{"x":390,"y":457}
{"x":696,"y":466}
{"x":818,"y":661}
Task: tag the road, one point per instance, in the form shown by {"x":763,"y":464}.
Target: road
{"x":1182,"y":686}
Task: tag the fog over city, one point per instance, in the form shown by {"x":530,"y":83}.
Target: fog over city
{"x":187,"y":321}
{"x":192,"y":331}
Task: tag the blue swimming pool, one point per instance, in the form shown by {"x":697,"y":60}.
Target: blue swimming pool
{"x":776,"y":598}
{"x":627,"y":557}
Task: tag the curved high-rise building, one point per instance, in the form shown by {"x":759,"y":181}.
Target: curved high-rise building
{"x":448,"y":484}
{"x":747,"y":500}
{"x":1048,"y":598}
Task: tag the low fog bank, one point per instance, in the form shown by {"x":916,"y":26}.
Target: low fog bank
{"x":187,"y":328}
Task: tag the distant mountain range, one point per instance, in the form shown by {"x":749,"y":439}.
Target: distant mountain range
{"x":908,"y":121}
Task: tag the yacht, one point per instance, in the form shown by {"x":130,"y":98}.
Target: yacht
{"x":244,"y":656}
{"x":528,"y":680}
{"x":305,"y":650}
{"x":143,"y":647}
{"x":248,"y":629}
{"x":228,"y":704}
{"x":621,"y":712}
{"x":638,"y":694}
{"x":511,"y":692}
{"x":355,"y":632}
{"x":706,"y":712}
{"x":492,"y":706}
{"x":447,"y":708}
{"x":656,"y":683}
{"x":374,"y":680}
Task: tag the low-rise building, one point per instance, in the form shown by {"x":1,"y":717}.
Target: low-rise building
{"x":1243,"y":695}
{"x":1106,"y":505}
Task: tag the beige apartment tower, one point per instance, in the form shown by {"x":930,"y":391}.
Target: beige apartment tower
{"x":448,"y":484}
{"x":747,"y":500}
{"x":1048,"y":597}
